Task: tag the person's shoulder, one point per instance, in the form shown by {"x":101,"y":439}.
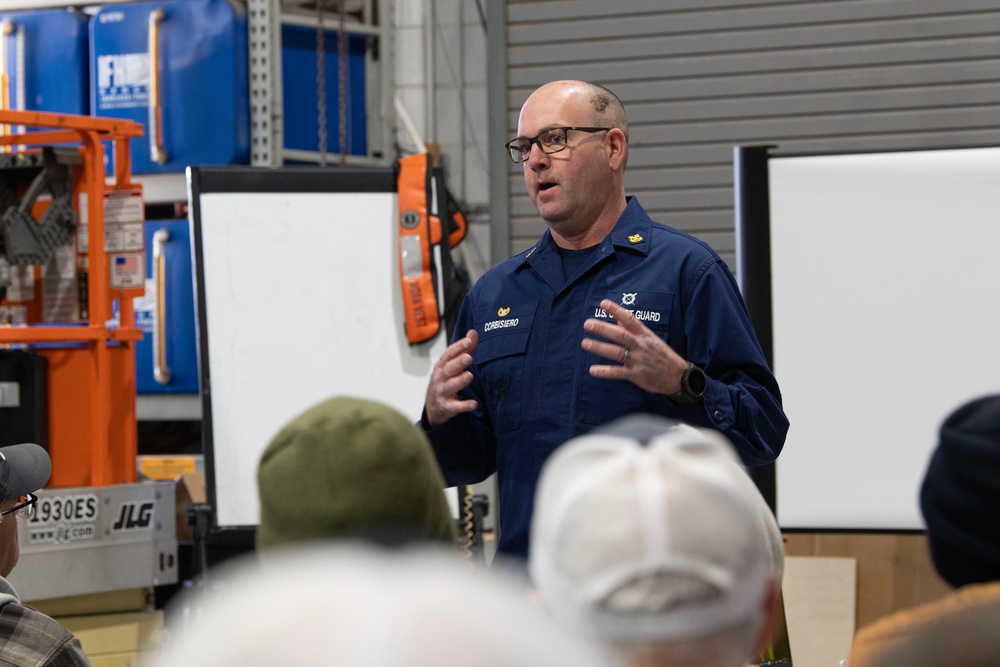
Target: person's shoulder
{"x":925,"y":628}
{"x":672,"y":238}
{"x":665,"y":238}
{"x":515,"y":261}
{"x":693,"y":257}
{"x":507,"y":267}
{"x":31,"y":637}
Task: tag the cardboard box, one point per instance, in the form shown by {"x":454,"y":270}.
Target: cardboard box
{"x":118,"y":640}
{"x":190,"y":489}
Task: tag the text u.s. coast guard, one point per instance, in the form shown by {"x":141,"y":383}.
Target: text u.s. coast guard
{"x":642,"y":315}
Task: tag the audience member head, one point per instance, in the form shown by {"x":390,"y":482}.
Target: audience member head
{"x":355,"y":605}
{"x":960,"y":497}
{"x":650,"y":535}
{"x":23,"y":469}
{"x":351,"y":468}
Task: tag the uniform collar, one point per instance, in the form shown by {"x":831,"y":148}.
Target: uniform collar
{"x":631,"y":232}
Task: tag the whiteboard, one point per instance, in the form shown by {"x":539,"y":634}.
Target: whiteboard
{"x":886,"y":313}
{"x":299,"y":300}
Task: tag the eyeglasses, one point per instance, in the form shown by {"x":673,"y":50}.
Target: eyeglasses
{"x":549,"y":141}
{"x":25,"y":506}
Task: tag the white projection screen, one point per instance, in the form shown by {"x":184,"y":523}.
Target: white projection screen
{"x":298,"y":300}
{"x":885,"y":316}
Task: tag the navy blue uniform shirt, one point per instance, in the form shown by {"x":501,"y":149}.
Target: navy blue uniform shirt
{"x":531,"y":376}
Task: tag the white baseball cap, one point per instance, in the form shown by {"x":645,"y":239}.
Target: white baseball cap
{"x":352,"y":604}
{"x":647,"y":529}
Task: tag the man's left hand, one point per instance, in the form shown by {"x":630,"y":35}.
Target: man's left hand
{"x":639,"y":355}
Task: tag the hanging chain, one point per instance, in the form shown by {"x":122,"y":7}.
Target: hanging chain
{"x":342,"y":76}
{"x":321,"y":81}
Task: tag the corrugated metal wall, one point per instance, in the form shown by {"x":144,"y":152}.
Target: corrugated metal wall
{"x":700,"y":76}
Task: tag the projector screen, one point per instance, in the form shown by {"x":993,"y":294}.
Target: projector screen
{"x":885,"y":313}
{"x":298,"y":300}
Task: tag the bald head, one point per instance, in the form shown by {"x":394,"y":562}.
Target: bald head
{"x":606,"y":109}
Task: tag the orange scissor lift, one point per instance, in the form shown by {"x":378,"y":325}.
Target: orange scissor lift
{"x":91,"y":380}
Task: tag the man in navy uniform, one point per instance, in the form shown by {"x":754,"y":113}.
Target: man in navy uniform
{"x":609,"y":313}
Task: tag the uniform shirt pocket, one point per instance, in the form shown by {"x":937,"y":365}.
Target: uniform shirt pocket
{"x":601,"y":400}
{"x":649,"y":307}
{"x":500,"y":358}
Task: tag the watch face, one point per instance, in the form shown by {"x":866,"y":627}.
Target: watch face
{"x":695,"y":381}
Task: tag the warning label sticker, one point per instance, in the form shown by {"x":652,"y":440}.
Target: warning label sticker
{"x":123,"y":221}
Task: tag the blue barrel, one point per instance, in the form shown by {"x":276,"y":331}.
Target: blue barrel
{"x":172,"y":327}
{"x":46,"y":60}
{"x":179,"y":67}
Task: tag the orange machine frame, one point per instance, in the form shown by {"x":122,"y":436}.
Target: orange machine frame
{"x":93,"y":439}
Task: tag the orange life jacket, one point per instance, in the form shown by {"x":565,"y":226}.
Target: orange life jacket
{"x":428,"y":214}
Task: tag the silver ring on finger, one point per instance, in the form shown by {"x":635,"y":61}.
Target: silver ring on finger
{"x":625,"y":357}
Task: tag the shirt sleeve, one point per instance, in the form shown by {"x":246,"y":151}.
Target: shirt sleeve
{"x":69,"y":654}
{"x":742,"y":398}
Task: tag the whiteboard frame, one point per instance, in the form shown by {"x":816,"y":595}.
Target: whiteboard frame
{"x":876,"y":276}
{"x":298,"y":299}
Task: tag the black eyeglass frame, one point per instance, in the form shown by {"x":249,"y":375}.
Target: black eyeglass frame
{"x":29,"y":503}
{"x":520,"y":154}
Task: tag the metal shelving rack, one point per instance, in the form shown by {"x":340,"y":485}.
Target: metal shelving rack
{"x":265,"y":19}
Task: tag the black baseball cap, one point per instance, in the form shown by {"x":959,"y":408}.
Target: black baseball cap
{"x":24,"y":468}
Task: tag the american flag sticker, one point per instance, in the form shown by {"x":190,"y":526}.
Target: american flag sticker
{"x":130,"y":263}
{"x":128,"y":271}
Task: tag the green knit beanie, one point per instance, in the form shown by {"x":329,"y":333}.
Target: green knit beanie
{"x":351,"y":468}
